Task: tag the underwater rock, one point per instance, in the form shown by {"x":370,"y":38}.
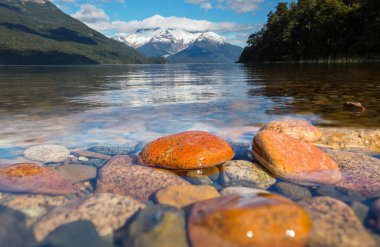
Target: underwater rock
{"x":77,"y":173}
{"x":293,"y":191}
{"x":354,"y":106}
{"x":242,"y":191}
{"x":112,"y":150}
{"x":47,"y":153}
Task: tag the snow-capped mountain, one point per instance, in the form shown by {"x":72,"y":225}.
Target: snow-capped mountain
{"x":168,"y":43}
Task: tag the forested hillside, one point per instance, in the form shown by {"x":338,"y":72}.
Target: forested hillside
{"x":318,"y":30}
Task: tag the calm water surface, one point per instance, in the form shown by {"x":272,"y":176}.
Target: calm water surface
{"x":80,"y":106}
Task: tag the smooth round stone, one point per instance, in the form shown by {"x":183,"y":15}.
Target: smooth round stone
{"x":335,"y":224}
{"x":294,"y":160}
{"x":47,"y":153}
{"x":77,"y":173}
{"x":298,"y":129}
{"x":242,"y":190}
{"x":249,"y":220}
{"x":120,"y":176}
{"x":246,"y":174}
{"x":77,"y":234}
{"x":360,"y":172}
{"x":340,"y":193}
{"x":33,"y":178}
{"x":187,"y":150}
{"x":157,"y":225}
{"x":361,"y":210}
{"x":293,"y":191}
{"x":112,"y":150}
{"x":13,"y":229}
{"x":182,"y":196}
{"x":204,"y":176}
{"x":351,"y":138}
{"x":107,"y":212}
{"x":88,"y":154}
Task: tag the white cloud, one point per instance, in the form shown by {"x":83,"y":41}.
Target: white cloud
{"x":239,"y":6}
{"x":88,"y":13}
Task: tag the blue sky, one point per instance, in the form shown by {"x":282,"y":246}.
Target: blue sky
{"x":233,"y":19}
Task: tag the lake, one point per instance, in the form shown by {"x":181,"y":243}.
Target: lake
{"x":79,"y":106}
{"x":103,"y":116}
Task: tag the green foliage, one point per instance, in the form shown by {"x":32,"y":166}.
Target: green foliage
{"x":39,"y":33}
{"x":318,"y":30}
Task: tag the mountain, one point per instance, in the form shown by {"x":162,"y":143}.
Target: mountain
{"x":182,"y":46}
{"x":37,"y":32}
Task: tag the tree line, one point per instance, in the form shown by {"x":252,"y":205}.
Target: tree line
{"x":318,"y":30}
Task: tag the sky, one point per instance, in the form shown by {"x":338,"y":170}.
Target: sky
{"x":235,"y":20}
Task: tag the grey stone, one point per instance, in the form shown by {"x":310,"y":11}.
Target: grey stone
{"x":112,"y":150}
{"x":47,"y":153}
{"x":293,"y":191}
{"x":77,"y":173}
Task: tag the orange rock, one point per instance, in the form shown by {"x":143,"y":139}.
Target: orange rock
{"x":32,"y":178}
{"x":298,"y":129}
{"x":187,"y":150}
{"x":294,"y":160}
{"x":249,"y":220}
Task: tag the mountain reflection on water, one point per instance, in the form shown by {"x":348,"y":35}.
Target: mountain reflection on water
{"x":78,"y":106}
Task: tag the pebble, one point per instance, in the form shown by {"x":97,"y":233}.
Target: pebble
{"x":242,"y":190}
{"x":296,"y":128}
{"x":13,"y":229}
{"x":340,"y":193}
{"x":293,"y":191}
{"x":120,"y":176}
{"x":360,"y":172}
{"x":77,"y":173}
{"x":107,"y":212}
{"x":88,"y":154}
{"x":246,"y":174}
{"x":335,"y":224}
{"x":76,"y":234}
{"x":112,"y":150}
{"x":157,"y":225}
{"x":33,"y":178}
{"x":294,"y":160}
{"x":228,"y":221}
{"x":361,"y":210}
{"x":182,"y":196}
{"x":187,"y":150}
{"x":47,"y":153}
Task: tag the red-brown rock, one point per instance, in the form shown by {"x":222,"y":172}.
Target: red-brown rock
{"x":32,"y":178}
{"x":298,"y":129}
{"x":249,"y":220}
{"x":187,"y":150}
{"x":294,"y":160}
{"x":354,"y":106}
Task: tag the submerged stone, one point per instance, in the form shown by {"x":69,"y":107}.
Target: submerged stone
{"x":245,"y":173}
{"x":47,"y":153}
{"x":294,"y":160}
{"x":112,"y":150}
{"x":77,"y":173}
{"x":157,"y":225}
{"x":340,"y":193}
{"x":182,"y":196}
{"x":120,"y":176}
{"x":107,"y":212}
{"x":33,"y":178}
{"x":298,"y":129}
{"x":187,"y":150}
{"x":335,"y":224}
{"x":293,"y":191}
{"x":249,"y":220}
{"x":242,"y":191}
{"x":361,"y":172}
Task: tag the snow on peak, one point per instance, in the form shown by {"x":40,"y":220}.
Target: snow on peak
{"x":166,"y":35}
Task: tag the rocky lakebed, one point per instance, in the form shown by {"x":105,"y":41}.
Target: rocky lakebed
{"x":293,"y":185}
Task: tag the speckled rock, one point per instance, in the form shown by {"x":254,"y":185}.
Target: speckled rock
{"x":77,"y":173}
{"x":360,"y":172}
{"x":119,"y":176}
{"x":335,"y":224}
{"x":157,"y":225}
{"x":294,"y":160}
{"x":227,"y":221}
{"x":13,"y":230}
{"x":187,"y":150}
{"x":351,"y":138}
{"x":76,"y":234}
{"x":182,"y":196}
{"x":107,"y":212}
{"x":296,"y":128}
{"x":293,"y":191}
{"x":47,"y":153}
{"x":246,"y":174}
{"x":361,"y":210}
{"x":242,"y":191}
{"x":89,"y":154}
{"x":340,"y":193}
{"x":112,"y":150}
{"x":33,"y":178}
